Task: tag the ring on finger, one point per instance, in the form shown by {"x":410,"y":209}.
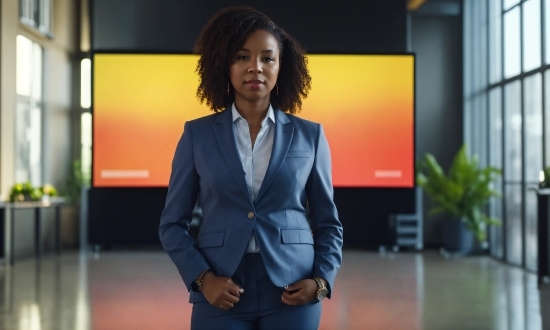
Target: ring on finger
{"x":222,"y":306}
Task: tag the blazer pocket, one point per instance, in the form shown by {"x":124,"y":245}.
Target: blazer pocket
{"x":296,"y":236}
{"x":211,"y":239}
{"x":297,"y":154}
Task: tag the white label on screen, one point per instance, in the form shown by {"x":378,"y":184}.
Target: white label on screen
{"x":388,"y":174}
{"x":124,"y":174}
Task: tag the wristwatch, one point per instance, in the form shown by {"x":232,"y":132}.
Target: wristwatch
{"x":322,"y":290}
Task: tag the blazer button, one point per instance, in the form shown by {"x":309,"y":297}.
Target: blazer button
{"x":250,"y":215}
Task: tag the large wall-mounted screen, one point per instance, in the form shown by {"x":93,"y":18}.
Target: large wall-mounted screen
{"x":365,"y":103}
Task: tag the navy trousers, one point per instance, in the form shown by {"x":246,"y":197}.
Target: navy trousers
{"x":260,"y":306}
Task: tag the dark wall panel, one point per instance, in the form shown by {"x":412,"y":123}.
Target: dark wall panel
{"x":349,"y":26}
{"x":437,"y":42}
{"x":320,"y":26}
{"x":364,"y":214}
{"x":125,"y":215}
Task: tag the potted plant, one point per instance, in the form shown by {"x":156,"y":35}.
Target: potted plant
{"x":24,"y":192}
{"x":76,"y":180}
{"x":462,"y":195}
{"x":48,"y":191}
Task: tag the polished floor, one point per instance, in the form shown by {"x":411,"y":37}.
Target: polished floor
{"x":134,"y":290}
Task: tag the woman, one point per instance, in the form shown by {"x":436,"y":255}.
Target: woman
{"x":258,"y":262}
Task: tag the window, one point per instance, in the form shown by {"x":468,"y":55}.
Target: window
{"x":86,"y":143}
{"x":512,"y":225}
{"x":513,"y":172}
{"x":495,"y":41}
{"x":86,"y":116}
{"x":28,"y":115}
{"x":512,"y":43}
{"x":547,"y":29}
{"x":532,"y":145}
{"x":85,"y":83}
{"x":532,"y":113}
{"x":517,"y":89}
{"x":36,"y":13}
{"x":512,"y":132}
{"x":531,"y":35}
{"x":495,"y":159}
{"x":510,"y":3}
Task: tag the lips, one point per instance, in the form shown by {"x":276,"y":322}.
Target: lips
{"x":254,"y":83}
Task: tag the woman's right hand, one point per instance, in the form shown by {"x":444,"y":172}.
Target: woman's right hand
{"x":221,"y":292}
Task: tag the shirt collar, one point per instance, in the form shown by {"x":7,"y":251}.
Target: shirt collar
{"x":270,"y":114}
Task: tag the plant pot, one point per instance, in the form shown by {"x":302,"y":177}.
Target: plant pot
{"x":457,"y":239}
{"x":20,"y":197}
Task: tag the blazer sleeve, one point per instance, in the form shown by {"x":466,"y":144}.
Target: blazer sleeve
{"x":177,"y":215}
{"x":327,"y":229}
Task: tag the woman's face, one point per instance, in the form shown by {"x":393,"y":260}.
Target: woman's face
{"x":255,"y":67}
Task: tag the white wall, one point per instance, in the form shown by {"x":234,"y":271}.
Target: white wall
{"x":58,"y":110}
{"x":9,"y":23}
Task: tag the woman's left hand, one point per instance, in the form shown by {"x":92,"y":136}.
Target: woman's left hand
{"x":300,"y":293}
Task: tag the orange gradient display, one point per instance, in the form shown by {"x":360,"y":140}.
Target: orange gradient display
{"x":365,"y":103}
{"x":141,"y":102}
{"x":366,"y":106}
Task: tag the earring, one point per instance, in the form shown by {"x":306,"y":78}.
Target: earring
{"x":228,"y":88}
{"x":276,"y":89}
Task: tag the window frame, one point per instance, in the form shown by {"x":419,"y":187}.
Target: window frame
{"x":37,"y":14}
{"x":473,"y":51}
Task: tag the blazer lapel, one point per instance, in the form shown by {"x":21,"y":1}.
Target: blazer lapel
{"x":284,"y":130}
{"x":223,"y":130}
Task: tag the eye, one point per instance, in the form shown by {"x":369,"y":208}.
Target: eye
{"x":242,"y":57}
{"x":269,"y":59}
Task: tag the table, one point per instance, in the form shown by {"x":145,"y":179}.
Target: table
{"x":543,"y":224}
{"x":7,"y":225}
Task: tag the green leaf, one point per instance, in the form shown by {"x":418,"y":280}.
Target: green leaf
{"x":464,"y":192}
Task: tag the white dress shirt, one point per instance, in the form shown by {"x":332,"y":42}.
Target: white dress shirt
{"x":254,"y":159}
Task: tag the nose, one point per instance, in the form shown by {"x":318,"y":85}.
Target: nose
{"x":255,"y":70}
{"x":255,"y":67}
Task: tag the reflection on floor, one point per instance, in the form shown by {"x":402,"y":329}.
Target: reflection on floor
{"x":136,"y":290}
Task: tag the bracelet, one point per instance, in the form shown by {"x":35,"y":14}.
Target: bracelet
{"x":198,"y":282}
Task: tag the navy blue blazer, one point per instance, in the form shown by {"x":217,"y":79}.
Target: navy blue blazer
{"x":206,"y":165}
